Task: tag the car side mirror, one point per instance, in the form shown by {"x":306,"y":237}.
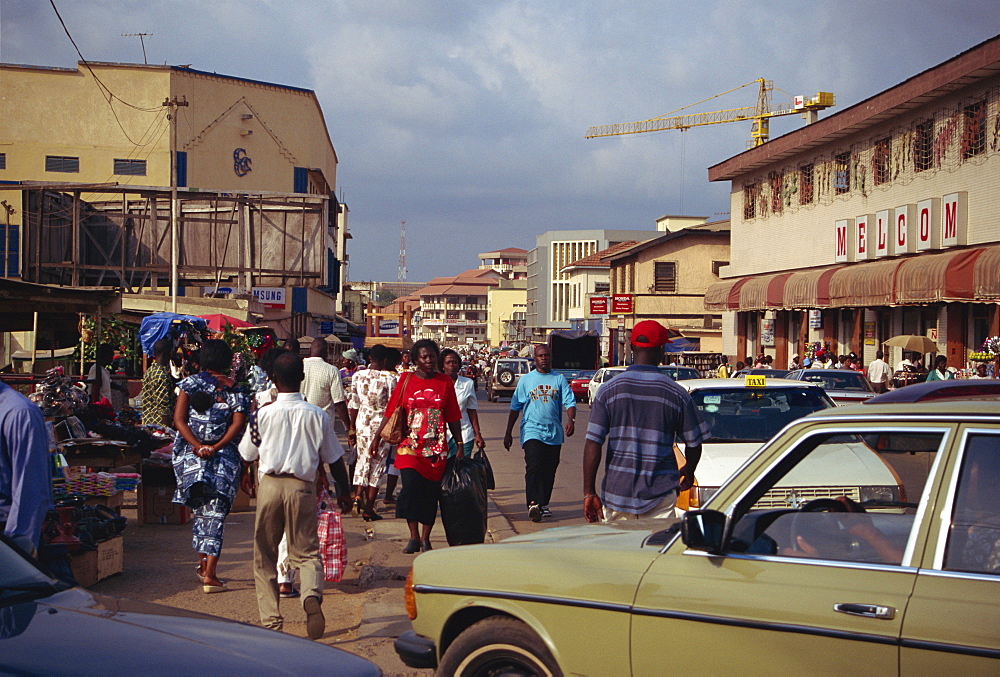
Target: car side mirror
{"x":704,"y":530}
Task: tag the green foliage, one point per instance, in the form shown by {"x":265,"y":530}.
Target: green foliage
{"x":123,"y":335}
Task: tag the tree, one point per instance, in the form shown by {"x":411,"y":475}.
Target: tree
{"x":385,"y":296}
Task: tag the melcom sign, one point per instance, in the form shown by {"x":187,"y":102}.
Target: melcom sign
{"x":935,"y":223}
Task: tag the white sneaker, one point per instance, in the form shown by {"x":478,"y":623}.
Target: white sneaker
{"x":535,"y":512}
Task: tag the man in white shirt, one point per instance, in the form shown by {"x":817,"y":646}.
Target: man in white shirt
{"x":290,"y":438}
{"x":879,"y":373}
{"x":322,"y":385}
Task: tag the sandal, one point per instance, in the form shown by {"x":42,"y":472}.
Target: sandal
{"x":210,"y":589}
{"x":371,"y":516}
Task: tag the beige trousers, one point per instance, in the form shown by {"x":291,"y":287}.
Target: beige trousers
{"x":285,"y":505}
{"x":662,"y":510}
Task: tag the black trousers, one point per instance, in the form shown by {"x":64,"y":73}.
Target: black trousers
{"x":540,"y":463}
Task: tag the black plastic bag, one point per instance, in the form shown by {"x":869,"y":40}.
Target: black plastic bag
{"x":463,"y":500}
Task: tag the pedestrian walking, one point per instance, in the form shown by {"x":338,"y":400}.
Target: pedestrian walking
{"x":158,"y":398}
{"x":209,"y":417}
{"x":468,"y":404}
{"x":723,"y":370}
{"x":640,"y":414}
{"x":290,"y":438}
{"x":539,"y":399}
{"x":25,"y":478}
{"x":879,"y":373}
{"x":369,"y":398}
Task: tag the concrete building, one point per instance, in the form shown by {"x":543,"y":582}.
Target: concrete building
{"x":505,"y":306}
{"x":879,"y":220}
{"x":548,"y":297}
{"x":666,"y":278}
{"x":86,"y":155}
{"x":453,"y":310}
{"x":512,"y":262}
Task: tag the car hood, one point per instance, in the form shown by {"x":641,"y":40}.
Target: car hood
{"x":719,"y":460}
{"x":74,"y":632}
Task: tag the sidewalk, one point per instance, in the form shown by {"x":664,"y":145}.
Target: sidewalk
{"x":365,"y":611}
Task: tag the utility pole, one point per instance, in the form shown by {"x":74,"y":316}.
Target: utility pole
{"x":173,"y":104}
{"x":142,"y":41}
{"x":401,"y":276}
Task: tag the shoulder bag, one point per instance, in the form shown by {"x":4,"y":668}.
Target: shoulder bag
{"x":395,"y":428}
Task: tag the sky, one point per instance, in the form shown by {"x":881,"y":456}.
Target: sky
{"x":467,"y":119}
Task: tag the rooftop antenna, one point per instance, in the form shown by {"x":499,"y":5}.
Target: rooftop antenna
{"x":402,"y":252}
{"x":142,"y":40}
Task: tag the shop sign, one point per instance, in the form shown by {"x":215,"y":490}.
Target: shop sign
{"x":869,"y":333}
{"x":933,"y":223}
{"x":767,"y":332}
{"x":932,"y":334}
{"x":271,"y":297}
{"x":622,"y":304}
{"x":222,"y":290}
{"x":326,"y":327}
{"x":598,"y":305}
{"x":388,"y":328}
{"x":815,"y":319}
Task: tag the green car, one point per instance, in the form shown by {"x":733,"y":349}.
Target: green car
{"x":905,"y":582}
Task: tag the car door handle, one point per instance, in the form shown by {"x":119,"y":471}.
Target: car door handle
{"x":867,"y":610}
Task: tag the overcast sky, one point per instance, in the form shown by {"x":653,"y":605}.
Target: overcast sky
{"x":466,"y":119}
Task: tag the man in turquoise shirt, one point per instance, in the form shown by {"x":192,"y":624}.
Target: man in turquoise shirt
{"x":542,"y":396}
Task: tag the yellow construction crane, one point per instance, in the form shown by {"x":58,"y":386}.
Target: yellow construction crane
{"x":760,"y":114}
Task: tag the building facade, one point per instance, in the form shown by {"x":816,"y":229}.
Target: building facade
{"x":505,"y":313}
{"x":453,"y":310}
{"x":879,"y":220}
{"x":512,"y":262}
{"x":549,"y":292}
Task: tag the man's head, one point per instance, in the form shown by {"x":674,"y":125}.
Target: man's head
{"x":319,"y":348}
{"x":288,"y":372}
{"x":292,"y":345}
{"x":543,"y":358}
{"x":879,"y":354}
{"x":648,"y":339}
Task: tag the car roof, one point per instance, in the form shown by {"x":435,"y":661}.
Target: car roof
{"x":817,"y":370}
{"x":938,"y":409}
{"x":939,"y":390}
{"x":730,"y":383}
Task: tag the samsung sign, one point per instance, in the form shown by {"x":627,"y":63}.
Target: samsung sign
{"x":935,"y":223}
{"x":388,"y":328}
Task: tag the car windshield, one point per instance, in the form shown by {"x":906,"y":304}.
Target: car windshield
{"x":19,"y":577}
{"x":840,"y":380}
{"x":754,"y":414}
{"x":585,"y":375}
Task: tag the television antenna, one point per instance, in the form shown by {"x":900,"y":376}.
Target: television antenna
{"x":142,"y":40}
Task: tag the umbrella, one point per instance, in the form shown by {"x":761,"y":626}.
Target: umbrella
{"x":218,"y":322}
{"x":913,"y":343}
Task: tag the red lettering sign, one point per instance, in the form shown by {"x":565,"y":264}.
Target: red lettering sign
{"x":924,"y":225}
{"x":862,"y":237}
{"x":598,"y":305}
{"x":621,"y":304}
{"x":842,"y":240}
{"x":950,"y":220}
{"x":881,"y":230}
{"x":901,"y":230}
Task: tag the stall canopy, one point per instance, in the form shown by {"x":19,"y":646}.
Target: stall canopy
{"x":157,"y":325}
{"x":218,"y":322}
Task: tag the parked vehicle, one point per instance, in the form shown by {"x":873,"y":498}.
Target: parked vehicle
{"x":832,"y":585}
{"x":578,"y":384}
{"x":602,"y":376}
{"x":928,"y":391}
{"x":505,"y":375}
{"x":845,"y":386}
{"x":770,"y":373}
{"x":680,"y":373}
{"x":48,"y":627}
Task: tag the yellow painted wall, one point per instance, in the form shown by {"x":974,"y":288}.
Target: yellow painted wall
{"x":501,"y":306}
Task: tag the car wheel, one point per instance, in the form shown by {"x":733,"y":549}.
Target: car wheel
{"x":505,"y":377}
{"x":498,"y":646}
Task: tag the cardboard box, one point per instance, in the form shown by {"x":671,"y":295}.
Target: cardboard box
{"x":84,"y":567}
{"x":115,"y":501}
{"x":156,"y":506}
{"x":110,"y":557}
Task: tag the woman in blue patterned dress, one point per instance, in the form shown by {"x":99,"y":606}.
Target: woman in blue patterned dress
{"x":210,"y":415}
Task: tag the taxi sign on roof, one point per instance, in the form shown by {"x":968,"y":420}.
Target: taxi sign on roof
{"x":755,"y":380}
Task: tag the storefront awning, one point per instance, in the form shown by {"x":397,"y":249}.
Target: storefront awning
{"x":962,"y":275}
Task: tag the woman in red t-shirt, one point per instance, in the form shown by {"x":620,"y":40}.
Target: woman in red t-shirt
{"x":430,"y":403}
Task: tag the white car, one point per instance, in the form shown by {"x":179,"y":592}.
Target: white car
{"x":603,"y":375}
{"x":742,"y":418}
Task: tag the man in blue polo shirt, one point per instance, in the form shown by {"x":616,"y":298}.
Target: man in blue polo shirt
{"x":640,"y":413}
{"x":542,"y":396}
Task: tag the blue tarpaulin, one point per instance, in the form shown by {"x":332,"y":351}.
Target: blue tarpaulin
{"x":681,"y":344}
{"x":158,"y":325}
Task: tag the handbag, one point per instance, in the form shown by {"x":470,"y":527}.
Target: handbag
{"x":332,"y":546}
{"x":394,"y":429}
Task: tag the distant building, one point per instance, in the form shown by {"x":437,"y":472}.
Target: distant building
{"x":549,"y":291}
{"x":453,"y":310}
{"x":511,"y":262}
{"x":505,"y":308}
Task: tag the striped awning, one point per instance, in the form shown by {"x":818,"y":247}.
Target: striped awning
{"x":961,"y":275}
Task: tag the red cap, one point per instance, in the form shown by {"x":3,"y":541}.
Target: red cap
{"x":649,"y":334}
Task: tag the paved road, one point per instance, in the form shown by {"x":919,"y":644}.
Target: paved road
{"x":365,"y":611}
{"x":508,"y":467}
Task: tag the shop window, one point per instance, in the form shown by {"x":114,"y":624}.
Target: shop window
{"x":750,"y":194}
{"x":841,"y":173}
{"x":806,"y":184}
{"x":665,"y":276}
{"x":130,"y":167}
{"x":61,"y":163}
{"x":602,"y":287}
{"x":923,"y":146}
{"x":974,"y":130}
{"x":882,"y":161}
